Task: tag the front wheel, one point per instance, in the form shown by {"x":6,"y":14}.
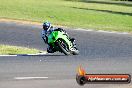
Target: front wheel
{"x":64,"y":47}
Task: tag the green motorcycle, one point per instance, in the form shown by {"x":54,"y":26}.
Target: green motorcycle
{"x":61,"y":42}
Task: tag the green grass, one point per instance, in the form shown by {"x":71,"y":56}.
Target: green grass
{"x":6,"y":49}
{"x":98,"y":16}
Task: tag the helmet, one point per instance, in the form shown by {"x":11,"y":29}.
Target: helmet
{"x":46,"y":26}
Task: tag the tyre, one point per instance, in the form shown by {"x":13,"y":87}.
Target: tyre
{"x":81,"y":80}
{"x":64,"y":47}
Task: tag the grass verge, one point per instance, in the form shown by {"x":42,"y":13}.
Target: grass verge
{"x":6,"y":49}
{"x":74,"y":13}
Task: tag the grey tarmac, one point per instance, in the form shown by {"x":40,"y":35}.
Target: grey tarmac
{"x":99,"y":53}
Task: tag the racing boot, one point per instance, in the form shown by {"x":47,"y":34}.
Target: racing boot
{"x":50,"y":49}
{"x":73,"y":42}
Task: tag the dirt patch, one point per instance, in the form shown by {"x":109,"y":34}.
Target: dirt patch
{"x":19,"y":21}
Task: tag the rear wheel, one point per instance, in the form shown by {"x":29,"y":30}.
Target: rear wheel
{"x":64,"y":47}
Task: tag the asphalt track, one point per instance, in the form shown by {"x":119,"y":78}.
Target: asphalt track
{"x":99,"y":53}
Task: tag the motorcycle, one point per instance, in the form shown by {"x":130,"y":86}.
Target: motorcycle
{"x":61,"y":42}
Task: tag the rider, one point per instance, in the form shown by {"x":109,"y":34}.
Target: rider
{"x":47,"y":29}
